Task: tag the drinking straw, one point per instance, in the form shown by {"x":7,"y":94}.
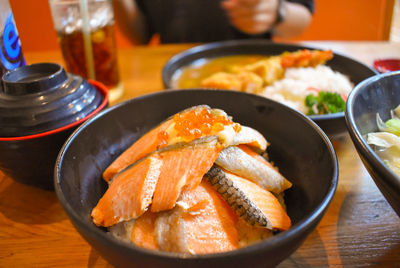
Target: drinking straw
{"x":86,"y":39}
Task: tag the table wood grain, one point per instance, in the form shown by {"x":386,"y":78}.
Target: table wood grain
{"x":359,"y":228}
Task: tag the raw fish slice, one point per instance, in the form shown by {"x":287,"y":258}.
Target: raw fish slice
{"x":252,"y":203}
{"x":158,"y":179}
{"x":261,"y":159}
{"x":170,"y":231}
{"x":201,"y":223}
{"x":183,"y":167}
{"x":148,"y":143}
{"x":142,"y":233}
{"x":241,"y":163}
{"x":130,"y":193}
{"x":186,"y":126}
{"x":251,"y":137}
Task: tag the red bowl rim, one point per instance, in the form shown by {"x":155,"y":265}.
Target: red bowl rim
{"x":377,"y":64}
{"x":99,"y":86}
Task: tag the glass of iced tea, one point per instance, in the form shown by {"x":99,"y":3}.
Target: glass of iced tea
{"x":85,"y":30}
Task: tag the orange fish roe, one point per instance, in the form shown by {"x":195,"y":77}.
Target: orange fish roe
{"x":197,"y":123}
{"x":162,"y":137}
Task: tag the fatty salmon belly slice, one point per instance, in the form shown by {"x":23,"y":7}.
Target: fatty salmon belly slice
{"x":148,"y":143}
{"x":286,"y":184}
{"x":240,"y":163}
{"x":183,"y":168}
{"x":143,"y":234}
{"x":251,"y":137}
{"x":201,"y":223}
{"x":129,"y":194}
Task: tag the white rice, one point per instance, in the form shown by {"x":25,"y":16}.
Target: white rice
{"x":295,"y":86}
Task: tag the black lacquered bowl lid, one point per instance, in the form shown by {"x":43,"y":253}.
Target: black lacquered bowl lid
{"x":41,"y":97}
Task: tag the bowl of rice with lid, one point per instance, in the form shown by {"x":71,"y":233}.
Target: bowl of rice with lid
{"x":313,"y":81}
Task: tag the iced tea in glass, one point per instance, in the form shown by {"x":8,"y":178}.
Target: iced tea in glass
{"x":87,"y":40}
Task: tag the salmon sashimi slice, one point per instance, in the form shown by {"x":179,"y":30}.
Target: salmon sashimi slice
{"x":148,"y":143}
{"x":252,"y":203}
{"x":129,"y":194}
{"x":237,"y":161}
{"x":183,"y":168}
{"x":143,"y":231}
{"x":201,"y":223}
{"x":157,"y":179}
{"x":186,"y":126}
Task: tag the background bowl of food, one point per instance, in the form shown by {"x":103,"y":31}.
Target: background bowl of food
{"x":373,"y":123}
{"x":294,"y":73}
{"x":40,"y":106}
{"x":296,"y":145}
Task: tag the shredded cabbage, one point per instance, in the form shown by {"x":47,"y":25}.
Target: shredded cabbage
{"x":383,"y":139}
{"x":387,"y":142}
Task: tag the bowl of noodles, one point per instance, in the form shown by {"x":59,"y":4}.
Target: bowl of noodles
{"x":372,"y":117}
{"x":313,"y":81}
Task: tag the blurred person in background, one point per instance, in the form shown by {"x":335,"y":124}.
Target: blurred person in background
{"x":184,"y":21}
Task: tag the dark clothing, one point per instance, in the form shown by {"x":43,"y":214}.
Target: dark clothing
{"x":181,"y":21}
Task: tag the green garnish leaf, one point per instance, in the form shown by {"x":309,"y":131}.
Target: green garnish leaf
{"x":324,"y":103}
{"x":393,"y":126}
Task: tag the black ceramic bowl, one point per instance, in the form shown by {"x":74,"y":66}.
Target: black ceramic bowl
{"x":378,"y":94}
{"x":40,"y":106}
{"x":333,"y":124}
{"x":299,"y":148}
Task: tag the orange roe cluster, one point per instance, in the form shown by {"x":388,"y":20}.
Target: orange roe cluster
{"x":197,"y":123}
{"x":162,"y":137}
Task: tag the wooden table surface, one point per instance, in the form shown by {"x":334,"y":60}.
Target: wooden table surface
{"x":359,"y":228}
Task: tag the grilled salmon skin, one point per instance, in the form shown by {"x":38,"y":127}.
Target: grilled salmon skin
{"x":255,"y":205}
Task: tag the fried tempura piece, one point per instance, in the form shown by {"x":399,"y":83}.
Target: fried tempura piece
{"x":222,"y":80}
{"x":269,"y":69}
{"x":305,"y":58}
{"x":253,"y":77}
{"x":244,"y":81}
{"x":235,"y":68}
{"x":251,"y":82}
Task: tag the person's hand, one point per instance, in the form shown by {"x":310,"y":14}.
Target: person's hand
{"x":251,"y":16}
